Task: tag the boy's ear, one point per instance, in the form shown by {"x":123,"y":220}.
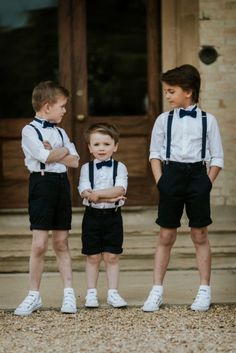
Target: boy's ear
{"x":116,"y":147}
{"x":189,"y":93}
{"x":46,"y":107}
{"x":89,"y":147}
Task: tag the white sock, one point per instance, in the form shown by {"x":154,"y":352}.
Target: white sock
{"x":205,"y":288}
{"x":35,"y":293}
{"x":158,"y":288}
{"x":69,"y":290}
{"x":92,"y":291}
{"x":112,"y":291}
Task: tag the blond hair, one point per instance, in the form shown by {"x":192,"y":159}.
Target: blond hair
{"x":102,"y":128}
{"x":47,"y":92}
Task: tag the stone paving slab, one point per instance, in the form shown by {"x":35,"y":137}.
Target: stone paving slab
{"x":180,"y":287}
{"x":141,"y":219}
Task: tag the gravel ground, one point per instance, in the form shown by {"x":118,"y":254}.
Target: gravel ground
{"x":174,"y":329}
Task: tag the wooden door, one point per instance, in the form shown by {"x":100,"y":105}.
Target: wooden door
{"x":29,"y":54}
{"x":109,"y":41}
{"x":70,"y":36}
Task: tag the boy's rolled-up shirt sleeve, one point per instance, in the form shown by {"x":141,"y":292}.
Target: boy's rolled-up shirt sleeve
{"x":69,"y":145}
{"x":215,"y":145}
{"x":84,"y":183}
{"x":33,"y":146}
{"x":157,"y":139}
{"x":122,"y":176}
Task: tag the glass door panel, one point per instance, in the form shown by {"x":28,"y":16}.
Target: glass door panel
{"x":116,"y":58}
{"x":29,"y":52}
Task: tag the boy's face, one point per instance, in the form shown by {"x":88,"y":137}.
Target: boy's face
{"x":177,"y":97}
{"x":55,"y":111}
{"x":102,"y":146}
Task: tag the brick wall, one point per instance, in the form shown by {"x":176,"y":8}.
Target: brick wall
{"x":218,"y":94}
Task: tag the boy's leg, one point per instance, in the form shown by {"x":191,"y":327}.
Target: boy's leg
{"x":112,"y":269}
{"x":165,"y":242}
{"x":33,"y":300}
{"x":38,"y":249}
{"x":202,"y":301}
{"x":92,"y":272}
{"x":60,"y":245}
{"x":61,"y":248}
{"x":112,"y":272}
{"x":203,"y":253}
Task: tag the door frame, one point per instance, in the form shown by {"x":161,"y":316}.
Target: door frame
{"x":72,"y":49}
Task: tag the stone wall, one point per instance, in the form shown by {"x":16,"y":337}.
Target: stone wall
{"x":188,"y":26}
{"x":217,"y":27}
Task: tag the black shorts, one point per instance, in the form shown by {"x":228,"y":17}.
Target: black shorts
{"x":102,"y":231}
{"x":49,"y":201}
{"x":184,"y":184}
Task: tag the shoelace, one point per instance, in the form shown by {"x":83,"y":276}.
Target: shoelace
{"x":154,"y":297}
{"x":29,"y":300}
{"x":69,"y":299}
{"x":116,"y":297}
{"x":201,"y":297}
{"x":91,"y":296}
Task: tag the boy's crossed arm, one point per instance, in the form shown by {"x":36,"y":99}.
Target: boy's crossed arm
{"x":61,"y":155}
{"x":113,"y":194}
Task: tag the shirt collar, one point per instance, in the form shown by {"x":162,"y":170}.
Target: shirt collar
{"x":40,"y":118}
{"x":98,"y":161}
{"x":190,"y":107}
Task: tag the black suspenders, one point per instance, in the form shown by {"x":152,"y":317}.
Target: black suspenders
{"x":169,"y":124}
{"x":91,"y":172}
{"x":91,"y":175}
{"x":204,"y":134}
{"x":42,"y":165}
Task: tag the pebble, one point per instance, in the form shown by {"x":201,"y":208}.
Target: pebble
{"x":173,"y":329}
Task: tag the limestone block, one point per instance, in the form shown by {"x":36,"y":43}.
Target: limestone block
{"x":217,"y":200}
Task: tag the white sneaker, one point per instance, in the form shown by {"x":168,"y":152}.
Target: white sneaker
{"x":69,"y":303}
{"x":30,"y":304}
{"x":153,"y":301}
{"x":115,"y":300}
{"x":91,"y":300}
{"x":202,"y":301}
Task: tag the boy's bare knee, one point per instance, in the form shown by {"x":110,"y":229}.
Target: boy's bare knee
{"x":94,"y":259}
{"x":111,"y":258}
{"x":60,"y":245}
{"x":167,"y":237}
{"x":39,"y":249}
{"x":199,"y":236}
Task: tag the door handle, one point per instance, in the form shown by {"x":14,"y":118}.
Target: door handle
{"x":80,"y":117}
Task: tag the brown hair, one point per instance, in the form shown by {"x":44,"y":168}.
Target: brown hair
{"x":187,"y":77}
{"x":102,"y":128}
{"x":47,"y":92}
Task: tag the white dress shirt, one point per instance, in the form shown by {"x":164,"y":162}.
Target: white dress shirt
{"x":186,"y":139}
{"x":35,"y":152}
{"x":103,"y":179}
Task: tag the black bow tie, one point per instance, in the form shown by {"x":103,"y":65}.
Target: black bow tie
{"x":45,"y":123}
{"x":104,"y":164}
{"x":191,"y":113}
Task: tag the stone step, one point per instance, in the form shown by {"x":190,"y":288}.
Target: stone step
{"x":20,"y":264}
{"x":133,"y":244}
{"x":138,"y":253}
{"x":139,"y":220}
{"x":139,"y":242}
{"x":134,"y":286}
